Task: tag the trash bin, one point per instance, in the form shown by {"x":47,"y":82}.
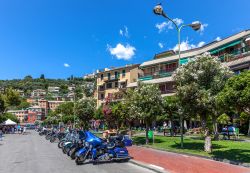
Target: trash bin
{"x":150,"y":134}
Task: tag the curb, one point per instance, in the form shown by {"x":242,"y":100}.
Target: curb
{"x":146,"y":166}
{"x":247,"y":165}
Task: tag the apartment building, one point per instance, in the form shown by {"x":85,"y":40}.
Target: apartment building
{"x":233,"y":51}
{"x":38,"y":93}
{"x":113,"y":82}
{"x":49,"y":105}
{"x":20,"y":114}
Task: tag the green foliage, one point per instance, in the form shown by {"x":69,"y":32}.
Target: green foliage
{"x":11,"y":97}
{"x":236,"y":93}
{"x":119,"y":113}
{"x":223,"y":119}
{"x":64,"y":89}
{"x":2,"y":104}
{"x":42,"y":77}
{"x":198,"y":83}
{"x":23,"y":105}
{"x":7,"y":116}
{"x":85,"y":110}
{"x":65,"y":109}
{"x":99,"y":114}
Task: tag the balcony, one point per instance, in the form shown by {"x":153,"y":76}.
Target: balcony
{"x":236,"y":54}
{"x":156,"y":75}
{"x":111,"y":78}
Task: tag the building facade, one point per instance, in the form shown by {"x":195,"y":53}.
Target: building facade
{"x":113,"y":82}
{"x":21,"y":115}
{"x":233,"y":51}
{"x":49,"y":105}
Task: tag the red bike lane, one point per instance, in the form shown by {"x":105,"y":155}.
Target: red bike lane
{"x":179,"y":163}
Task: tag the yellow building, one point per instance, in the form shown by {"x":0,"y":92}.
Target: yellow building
{"x":111,"y":83}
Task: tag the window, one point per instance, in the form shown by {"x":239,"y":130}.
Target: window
{"x":102,"y":96}
{"x":109,"y":85}
{"x":109,"y":75}
{"x":117,"y":75}
{"x":123,"y":73}
{"x":101,"y":76}
{"x":116,"y":84}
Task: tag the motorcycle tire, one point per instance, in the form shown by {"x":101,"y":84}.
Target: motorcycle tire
{"x":73,"y":154}
{"x":60,"y":144}
{"x":52,"y":139}
{"x":79,"y":160}
{"x":64,"y":150}
{"x":47,"y":137}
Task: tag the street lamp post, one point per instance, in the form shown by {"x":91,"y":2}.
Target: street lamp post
{"x":158,"y":10}
{"x":74,"y":126}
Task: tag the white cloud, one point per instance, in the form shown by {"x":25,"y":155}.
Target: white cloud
{"x":124,"y":32}
{"x":66,"y":65}
{"x":218,"y":39}
{"x":121,"y":32}
{"x":185,"y":45}
{"x":121,"y":51}
{"x":168,"y":25}
{"x":178,"y":21}
{"x":200,"y":44}
{"x":160,"y":45}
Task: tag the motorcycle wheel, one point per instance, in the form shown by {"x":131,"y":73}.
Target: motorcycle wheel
{"x":80,"y":160}
{"x":48,"y":137}
{"x":73,"y":153}
{"x":60,"y":144}
{"x":52,"y":139}
{"x":64,"y":149}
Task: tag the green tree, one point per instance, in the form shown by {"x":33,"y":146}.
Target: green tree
{"x":11,"y":97}
{"x":171,"y":108}
{"x":236,"y":94}
{"x":198,"y":83}
{"x":99,"y":114}
{"x":119,"y":114}
{"x":85,"y":110}
{"x":147,"y":104}
{"x":7,"y":116}
{"x":28,"y":78}
{"x":2,"y":104}
{"x":42,"y":77}
{"x":64,"y":89}
{"x":23,"y":105}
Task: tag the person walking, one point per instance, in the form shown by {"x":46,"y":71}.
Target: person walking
{"x":1,"y":135}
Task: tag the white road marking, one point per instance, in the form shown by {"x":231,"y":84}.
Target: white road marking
{"x":158,"y":167}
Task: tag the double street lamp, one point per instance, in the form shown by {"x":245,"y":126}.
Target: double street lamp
{"x":158,"y":10}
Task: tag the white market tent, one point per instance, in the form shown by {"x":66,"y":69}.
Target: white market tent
{"x":8,"y":123}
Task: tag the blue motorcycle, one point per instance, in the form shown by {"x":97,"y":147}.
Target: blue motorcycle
{"x":97,"y":150}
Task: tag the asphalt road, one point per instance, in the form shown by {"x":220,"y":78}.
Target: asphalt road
{"x":31,"y":153}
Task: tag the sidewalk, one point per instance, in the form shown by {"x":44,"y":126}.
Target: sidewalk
{"x":179,"y":163}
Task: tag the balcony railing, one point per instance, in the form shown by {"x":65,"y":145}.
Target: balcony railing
{"x":156,"y":75}
{"x":234,"y":55}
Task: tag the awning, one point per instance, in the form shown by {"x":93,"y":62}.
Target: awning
{"x":225,"y":46}
{"x":9,"y":122}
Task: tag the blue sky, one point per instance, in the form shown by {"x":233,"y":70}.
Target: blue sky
{"x":60,"y":38}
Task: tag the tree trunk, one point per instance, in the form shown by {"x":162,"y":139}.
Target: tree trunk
{"x":147,"y":129}
{"x":215,"y":127}
{"x":208,"y":142}
{"x":172,"y":124}
{"x":248,"y":128}
{"x":190,"y":123}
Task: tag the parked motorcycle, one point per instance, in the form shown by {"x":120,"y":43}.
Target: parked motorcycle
{"x":98,"y":150}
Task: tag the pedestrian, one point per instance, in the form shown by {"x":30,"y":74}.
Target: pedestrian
{"x":24,"y":130}
{"x":1,"y":135}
